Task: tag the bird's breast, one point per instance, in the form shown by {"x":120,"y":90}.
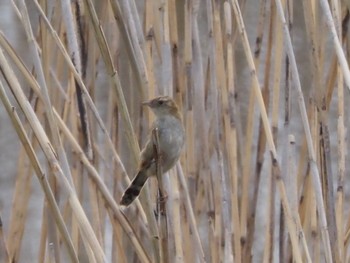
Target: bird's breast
{"x":171,"y":139}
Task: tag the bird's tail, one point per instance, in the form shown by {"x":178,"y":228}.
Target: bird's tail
{"x":134,"y":188}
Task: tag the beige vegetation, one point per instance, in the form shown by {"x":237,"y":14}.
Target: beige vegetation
{"x":262,"y":87}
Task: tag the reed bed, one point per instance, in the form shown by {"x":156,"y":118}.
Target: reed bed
{"x":262,"y":87}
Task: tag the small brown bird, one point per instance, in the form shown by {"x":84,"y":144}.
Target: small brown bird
{"x":171,"y":138}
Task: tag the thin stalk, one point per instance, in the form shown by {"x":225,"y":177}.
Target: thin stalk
{"x":50,"y":155}
{"x":231,"y":135}
{"x":276,"y":170}
{"x":40,"y":174}
{"x":106,"y":195}
{"x":4,"y":254}
{"x":312,"y":156}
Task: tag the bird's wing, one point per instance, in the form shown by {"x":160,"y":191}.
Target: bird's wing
{"x":147,"y":154}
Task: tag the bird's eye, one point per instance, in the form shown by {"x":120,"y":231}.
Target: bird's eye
{"x":160,"y":102}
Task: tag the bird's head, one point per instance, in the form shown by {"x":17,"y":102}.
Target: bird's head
{"x":163,"y":105}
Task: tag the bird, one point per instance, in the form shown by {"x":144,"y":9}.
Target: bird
{"x":171,"y":139}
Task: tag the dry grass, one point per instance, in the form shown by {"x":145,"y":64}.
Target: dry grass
{"x":249,"y":185}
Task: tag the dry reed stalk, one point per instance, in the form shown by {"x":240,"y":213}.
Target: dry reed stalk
{"x":190,"y":214}
{"x":336,"y":7}
{"x":166,"y":79}
{"x":178,"y":84}
{"x":248,"y":221}
{"x":312,"y":209}
{"x":276,"y":170}
{"x":96,"y":212}
{"x":88,"y":47}
{"x":77,"y":77}
{"x":307,"y":207}
{"x":270,"y":229}
{"x":112,"y":206}
{"x":22,"y":67}
{"x":221,"y":226}
{"x":325,"y":147}
{"x":118,"y":252}
{"x":118,"y":15}
{"x":187,"y":243}
{"x":221,"y":217}
{"x":268,"y":235}
{"x":328,"y":184}
{"x":177,"y":220}
{"x":34,"y":85}
{"x":246,"y":171}
{"x":165,"y":87}
{"x":52,"y":235}
{"x":199,"y":175}
{"x":39,"y":172}
{"x":150,"y":37}
{"x":341,"y":168}
{"x":211,"y":188}
{"x":20,"y":206}
{"x":196,"y":100}
{"x":88,"y":98}
{"x":77,"y":50}
{"x":169,"y":83}
{"x":46,"y":99}
{"x":292,"y":192}
{"x":4,"y":255}
{"x":122,"y":106}
{"x":105,"y":53}
{"x":231,"y":135}
{"x":285,"y":251}
{"x":227,"y":254}
{"x":50,"y":155}
{"x":191,"y":167}
{"x":275,"y":92}
{"x":131,"y":19}
{"x":177,"y":90}
{"x":161,"y":205}
{"x":337,"y":43}
{"x":43,"y":233}
{"x":312,"y":156}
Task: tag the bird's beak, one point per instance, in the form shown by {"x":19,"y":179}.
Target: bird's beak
{"x":146,"y":103}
